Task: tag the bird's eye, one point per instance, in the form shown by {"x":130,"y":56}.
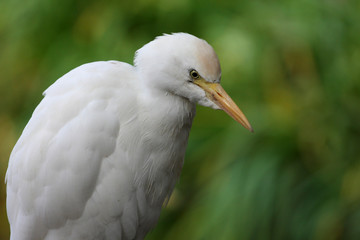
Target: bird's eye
{"x":194,"y":74}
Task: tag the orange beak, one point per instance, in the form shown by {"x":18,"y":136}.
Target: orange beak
{"x":217,"y":94}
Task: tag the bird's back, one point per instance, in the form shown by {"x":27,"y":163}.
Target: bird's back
{"x":83,"y":167}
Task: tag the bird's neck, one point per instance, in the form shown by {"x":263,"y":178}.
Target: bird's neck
{"x":167,"y":115}
{"x":166,"y":122}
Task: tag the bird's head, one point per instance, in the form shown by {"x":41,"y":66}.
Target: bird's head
{"x":186,"y":66}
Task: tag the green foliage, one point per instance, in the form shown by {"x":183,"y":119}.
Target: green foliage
{"x":293,"y":67}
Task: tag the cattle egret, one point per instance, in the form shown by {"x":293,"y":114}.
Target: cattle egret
{"x":105,"y":147}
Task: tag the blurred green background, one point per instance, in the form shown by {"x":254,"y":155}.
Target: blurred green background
{"x":292,"y":66}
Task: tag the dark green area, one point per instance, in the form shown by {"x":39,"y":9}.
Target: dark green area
{"x":292,"y":66}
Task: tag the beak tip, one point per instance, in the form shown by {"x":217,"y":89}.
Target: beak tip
{"x":251,"y":129}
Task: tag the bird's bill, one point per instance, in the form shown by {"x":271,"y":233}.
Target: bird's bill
{"x":217,"y":94}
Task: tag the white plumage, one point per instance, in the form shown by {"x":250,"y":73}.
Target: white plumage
{"x":105,"y":147}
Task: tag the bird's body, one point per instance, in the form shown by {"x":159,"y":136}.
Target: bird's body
{"x":103,"y":150}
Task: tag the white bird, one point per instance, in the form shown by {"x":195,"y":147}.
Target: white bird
{"x":105,"y":147}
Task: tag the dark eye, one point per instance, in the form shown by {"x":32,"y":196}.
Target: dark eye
{"x":194,"y":74}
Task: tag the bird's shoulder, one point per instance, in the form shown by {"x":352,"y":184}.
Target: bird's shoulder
{"x":85,"y":94}
{"x":95,"y":75}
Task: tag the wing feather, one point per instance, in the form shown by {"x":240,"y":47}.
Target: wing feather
{"x":55,"y":169}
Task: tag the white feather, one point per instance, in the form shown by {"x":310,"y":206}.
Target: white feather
{"x":104,"y":148}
